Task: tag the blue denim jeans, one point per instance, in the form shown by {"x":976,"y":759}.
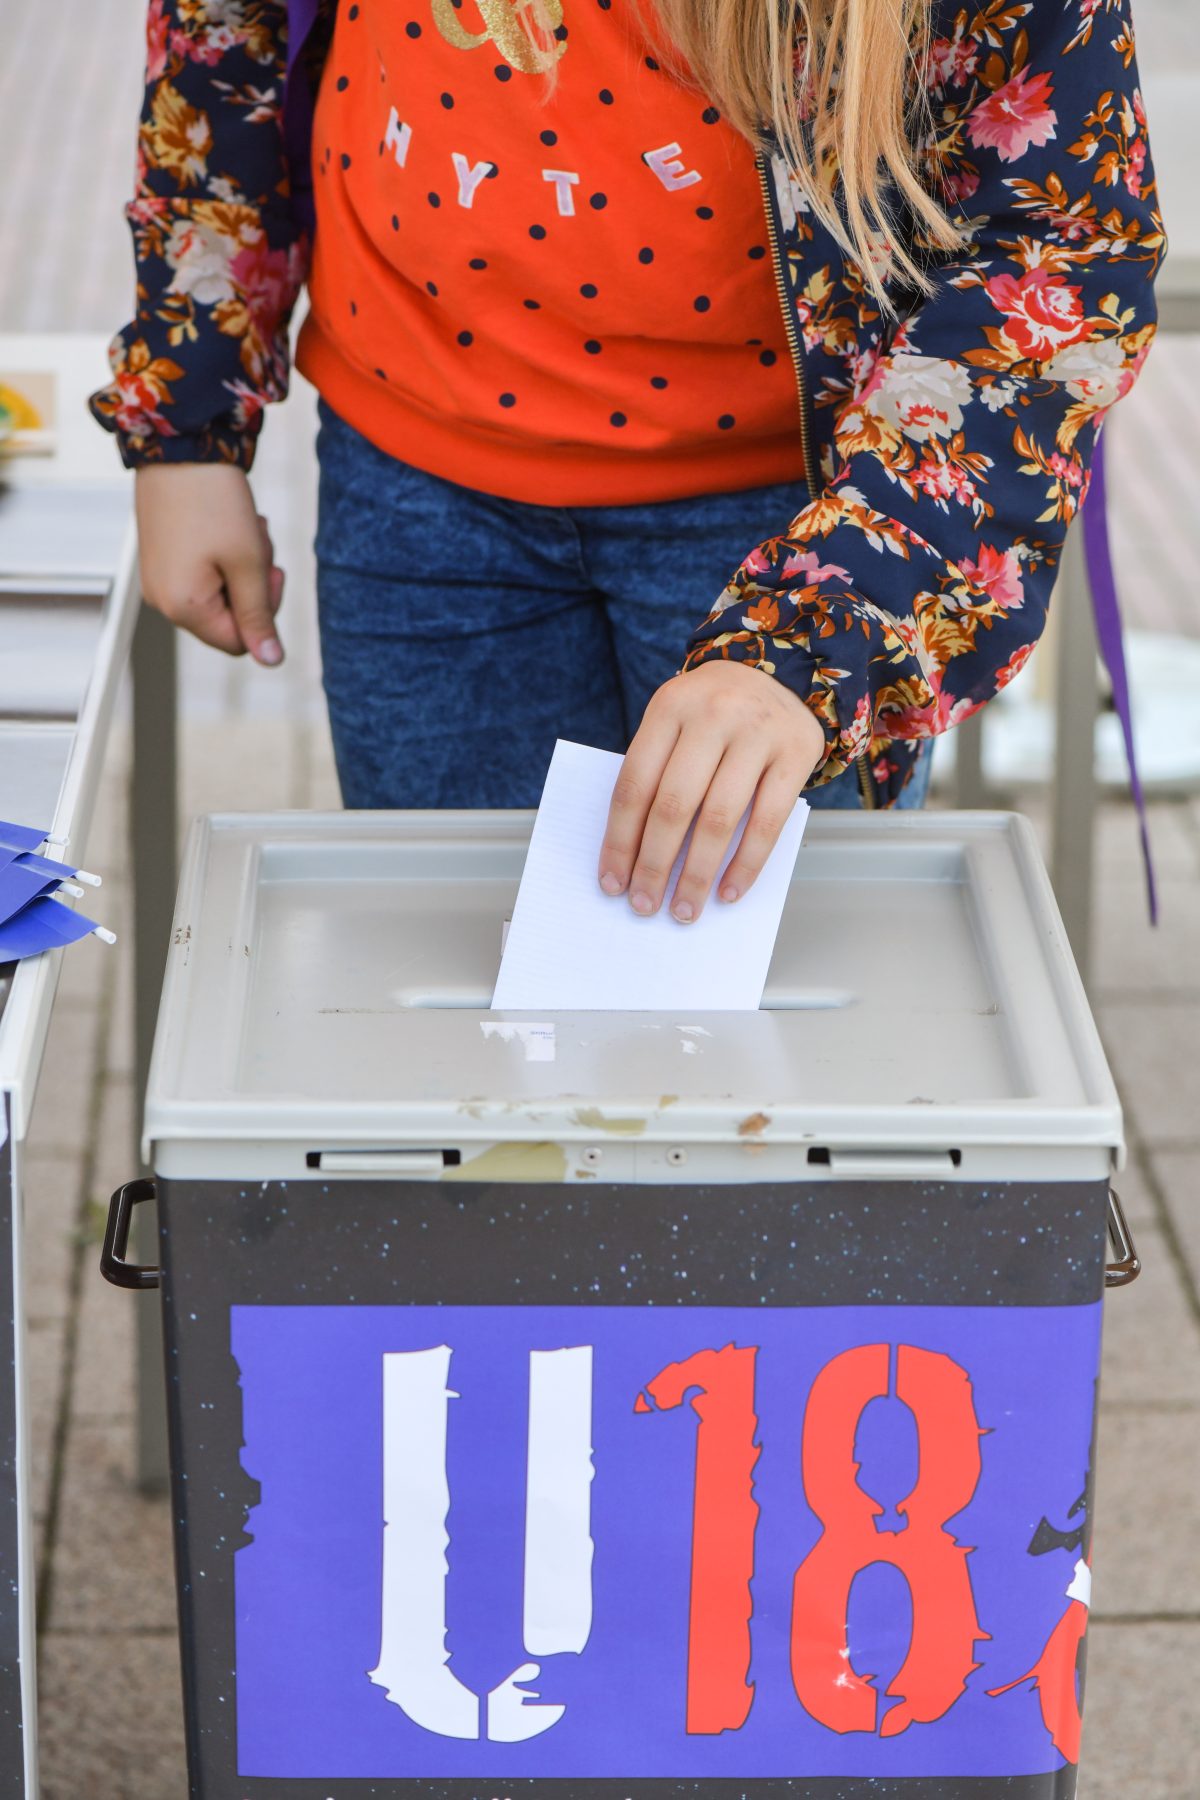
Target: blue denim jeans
{"x":462,"y":634}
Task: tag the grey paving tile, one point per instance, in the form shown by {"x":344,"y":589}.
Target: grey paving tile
{"x":1140,"y":1738}
{"x":238,"y":765}
{"x":119,"y":1048}
{"x":112,"y":1562}
{"x":1147,"y":1511}
{"x":50,"y":1194}
{"x":113,"y":1151}
{"x":1176,"y":847}
{"x":1136,"y":958}
{"x":1154,"y":1052}
{"x":1178,"y":1176}
{"x":103,"y":1386}
{"x":110,"y":1718}
{"x":59,"y":1123}
{"x":1151,"y":1335}
{"x":44,"y":1342}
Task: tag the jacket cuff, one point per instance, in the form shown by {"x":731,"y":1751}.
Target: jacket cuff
{"x":799,"y":673}
{"x":218,"y":442}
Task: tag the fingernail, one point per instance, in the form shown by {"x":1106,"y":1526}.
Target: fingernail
{"x":610,"y":883}
{"x":682,"y":910}
{"x":729,"y":892}
{"x":641,"y":903}
{"x":270,"y":651}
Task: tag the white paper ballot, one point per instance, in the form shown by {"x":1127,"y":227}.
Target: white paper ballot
{"x":571,"y":947}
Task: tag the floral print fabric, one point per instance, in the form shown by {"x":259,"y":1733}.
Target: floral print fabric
{"x":950,"y":449}
{"x":955,"y":446}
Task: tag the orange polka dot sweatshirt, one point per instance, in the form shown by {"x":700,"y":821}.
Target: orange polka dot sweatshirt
{"x":557,"y":291}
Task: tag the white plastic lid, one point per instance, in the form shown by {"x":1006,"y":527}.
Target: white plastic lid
{"x":329,"y":979}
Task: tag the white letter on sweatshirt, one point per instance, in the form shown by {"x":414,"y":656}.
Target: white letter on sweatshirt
{"x":669,"y":169}
{"x":468,"y":178}
{"x":563,"y":181}
{"x":397,"y":137}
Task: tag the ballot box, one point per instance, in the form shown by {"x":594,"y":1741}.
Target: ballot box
{"x":628,"y":1404}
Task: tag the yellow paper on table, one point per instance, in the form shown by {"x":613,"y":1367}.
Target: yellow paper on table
{"x":27,"y":412}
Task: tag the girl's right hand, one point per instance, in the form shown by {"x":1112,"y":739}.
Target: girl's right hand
{"x":206,"y":556}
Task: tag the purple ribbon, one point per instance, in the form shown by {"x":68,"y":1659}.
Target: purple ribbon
{"x":1107,"y":609}
{"x":298,"y":111}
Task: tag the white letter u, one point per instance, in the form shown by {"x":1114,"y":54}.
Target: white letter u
{"x":413,"y":1658}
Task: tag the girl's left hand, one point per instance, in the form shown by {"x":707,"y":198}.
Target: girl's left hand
{"x":712,"y":740}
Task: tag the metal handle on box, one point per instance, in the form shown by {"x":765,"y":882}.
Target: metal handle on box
{"x":1128,"y":1265}
{"x":113,"y":1266}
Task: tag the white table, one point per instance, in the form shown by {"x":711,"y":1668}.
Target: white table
{"x":69,"y":617}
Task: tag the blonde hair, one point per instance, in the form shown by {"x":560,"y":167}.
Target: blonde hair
{"x":851,"y":70}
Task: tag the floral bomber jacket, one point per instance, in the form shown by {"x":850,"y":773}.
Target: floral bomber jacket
{"x":948,"y":449}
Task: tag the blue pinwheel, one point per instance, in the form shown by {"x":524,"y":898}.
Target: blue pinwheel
{"x":32,"y":917}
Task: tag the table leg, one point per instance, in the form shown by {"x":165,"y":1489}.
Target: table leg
{"x":970,"y":787}
{"x":1077,"y":704}
{"x":154,"y":855}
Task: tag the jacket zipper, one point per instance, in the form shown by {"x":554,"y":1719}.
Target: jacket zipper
{"x":792,"y":330}
{"x":787,"y":306}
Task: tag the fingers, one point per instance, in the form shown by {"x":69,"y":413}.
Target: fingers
{"x":729,"y":794}
{"x":684,"y":784}
{"x":636,"y":786}
{"x":210,"y":619}
{"x":206,"y":557}
{"x":250,"y":587}
{"x":773,"y":803}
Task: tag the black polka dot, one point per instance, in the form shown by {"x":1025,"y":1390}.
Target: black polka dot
{"x":725,"y":422}
{"x":646,"y":255}
{"x":465,"y":338}
{"x":604,"y":5}
{"x":702,"y":303}
{"x":710,"y":115}
{"x":537,"y":231}
{"x":768,"y":359}
{"x":343,"y":82}
{"x":328,"y":153}
{"x":592,"y":347}
{"x":650,"y":63}
{"x":354,"y":12}
{"x":345,"y":160}
{"x":561,"y":34}
{"x":395,"y":223}
{"x":431,"y":288}
{"x":492,"y":172}
{"x":704,"y":212}
{"x":508,"y":399}
{"x":413,"y":29}
{"x":434,"y":199}
{"x":589,"y":290}
{"x":616,"y":418}
{"x":502,"y":72}
{"x":477,"y":262}
{"x":354,"y":309}
{"x":549,"y":137}
{"x":658,"y":381}
{"x":599,"y":201}
{"x":755,"y":342}
{"x":533,"y":305}
{"x":756,"y":252}
{"x":381,"y":374}
{"x":606,"y":98}
{"x":447,"y":101}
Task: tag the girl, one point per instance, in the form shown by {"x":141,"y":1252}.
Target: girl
{"x":608,"y":302}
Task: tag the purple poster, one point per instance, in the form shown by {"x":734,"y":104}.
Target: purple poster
{"x":662,"y":1542}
